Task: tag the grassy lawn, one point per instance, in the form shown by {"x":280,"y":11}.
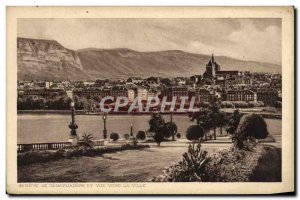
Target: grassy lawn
{"x":125,"y":166}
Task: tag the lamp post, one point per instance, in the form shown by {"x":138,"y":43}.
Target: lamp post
{"x":73,"y":137}
{"x":132,"y":138}
{"x":172,"y":131}
{"x":131,"y":129}
{"x":104,"y":117}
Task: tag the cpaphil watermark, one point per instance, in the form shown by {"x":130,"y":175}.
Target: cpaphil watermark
{"x":165,"y":104}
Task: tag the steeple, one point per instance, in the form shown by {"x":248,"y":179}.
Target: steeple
{"x":212,"y":58}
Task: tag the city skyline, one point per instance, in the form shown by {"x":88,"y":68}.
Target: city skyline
{"x":248,"y":39}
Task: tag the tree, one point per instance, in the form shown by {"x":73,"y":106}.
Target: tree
{"x":178,"y":135}
{"x":157,"y":125}
{"x":156,"y":122}
{"x":251,"y":126}
{"x":203,"y":119}
{"x":172,"y":129}
{"x":221,"y":121}
{"x":194,"y":132}
{"x":233,"y":122}
{"x":158,"y":137}
{"x":114,"y":136}
{"x":141,"y":135}
{"x":214,"y":113}
{"x":165,"y":131}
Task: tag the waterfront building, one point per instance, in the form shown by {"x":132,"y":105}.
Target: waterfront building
{"x":131,"y":95}
{"x":268,"y":95}
{"x":92,"y":92}
{"x":142,"y":93}
{"x":205,"y":95}
{"x":43,"y":92}
{"x":119,"y":92}
{"x":241,"y":95}
{"x":173,"y":91}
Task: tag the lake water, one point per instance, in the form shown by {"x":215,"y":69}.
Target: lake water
{"x":39,"y":128}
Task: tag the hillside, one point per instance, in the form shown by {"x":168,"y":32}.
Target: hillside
{"x":49,"y":60}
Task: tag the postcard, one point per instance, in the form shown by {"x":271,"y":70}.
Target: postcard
{"x":150,"y":100}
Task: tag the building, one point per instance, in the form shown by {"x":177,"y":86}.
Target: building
{"x":44,"y":84}
{"x":241,"y":95}
{"x":205,"y":95}
{"x":196,"y":78}
{"x":211,"y":67}
{"x":173,"y":91}
{"x":135,"y":80}
{"x":119,"y":92}
{"x":92,"y":92}
{"x":247,"y":80}
{"x":276,"y":81}
{"x":268,"y":96}
{"x":43,"y":93}
{"x":142,"y":93}
{"x":214,"y":73}
{"x":131,"y":95}
{"x":88,"y":83}
{"x":69,"y":93}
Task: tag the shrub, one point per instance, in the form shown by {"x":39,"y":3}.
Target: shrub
{"x":114,"y":136}
{"x":225,"y":165}
{"x":226,"y":104}
{"x":268,"y":167}
{"x":194,"y":132}
{"x":172,"y":129}
{"x":178,"y":135}
{"x":233,"y":122}
{"x":141,"y":135}
{"x":126,"y":136}
{"x":251,"y":126}
{"x":269,"y":109}
{"x":40,"y":156}
{"x":86,"y":140}
{"x":190,"y":169}
{"x":240,"y":104}
{"x":232,"y":165}
{"x":253,"y":104}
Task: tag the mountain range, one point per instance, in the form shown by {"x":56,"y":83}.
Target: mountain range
{"x":49,"y":60}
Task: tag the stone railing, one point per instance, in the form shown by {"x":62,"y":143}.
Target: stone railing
{"x":42,"y":146}
{"x":52,"y":146}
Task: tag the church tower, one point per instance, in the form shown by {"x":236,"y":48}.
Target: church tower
{"x":211,"y":68}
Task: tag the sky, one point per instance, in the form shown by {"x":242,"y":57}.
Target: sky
{"x":255,"y":39}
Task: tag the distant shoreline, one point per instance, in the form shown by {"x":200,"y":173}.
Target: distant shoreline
{"x":81,"y":112}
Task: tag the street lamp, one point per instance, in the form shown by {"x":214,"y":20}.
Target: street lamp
{"x":132,"y":138}
{"x":73,"y":138}
{"x":104,"y":117}
{"x":131,"y":129}
{"x":172,"y":131}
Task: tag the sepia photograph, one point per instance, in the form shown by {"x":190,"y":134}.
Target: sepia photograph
{"x":132,"y":101}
